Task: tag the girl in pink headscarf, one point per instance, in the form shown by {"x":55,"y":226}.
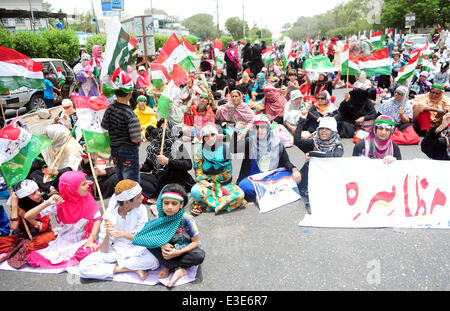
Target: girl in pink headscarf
{"x":78,"y":212}
{"x":97,"y":54}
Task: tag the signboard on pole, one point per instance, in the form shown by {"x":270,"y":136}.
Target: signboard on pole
{"x":145,"y":28}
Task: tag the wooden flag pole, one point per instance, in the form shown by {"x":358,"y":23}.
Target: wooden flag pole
{"x":163,"y":136}
{"x":347,"y":75}
{"x":58,"y":155}
{"x":3,"y":112}
{"x":27,"y":229}
{"x":96,"y":183}
{"x":406,"y":94}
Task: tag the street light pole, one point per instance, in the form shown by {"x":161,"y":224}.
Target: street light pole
{"x":218,"y":32}
{"x":243,"y":18}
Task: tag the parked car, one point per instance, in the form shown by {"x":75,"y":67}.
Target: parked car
{"x":418,"y":40}
{"x":33,"y":99}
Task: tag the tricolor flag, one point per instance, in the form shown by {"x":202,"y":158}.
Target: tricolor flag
{"x":190,"y":49}
{"x":179,"y":76}
{"x":426,"y":64}
{"x":353,"y":38}
{"x":159,"y":75}
{"x":377,"y":39}
{"x":349,"y":62}
{"x":268,"y":55}
{"x":17,"y":70}
{"x":170,"y":95}
{"x":90,"y":111}
{"x":117,"y":50}
{"x":376,"y":63}
{"x":389,"y":32}
{"x":407,"y":71}
{"x":94,"y":63}
{"x":61,"y":78}
{"x":206,"y":42}
{"x":218,"y":46}
{"x":288,"y":44}
{"x":173,"y":52}
{"x":407,"y":44}
{"x":19,"y":147}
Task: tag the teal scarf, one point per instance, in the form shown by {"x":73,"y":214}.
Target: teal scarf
{"x":159,"y":231}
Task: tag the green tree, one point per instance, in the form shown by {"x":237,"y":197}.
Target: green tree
{"x":444,"y":13}
{"x":201,"y":25}
{"x":62,"y":44}
{"x":98,"y":39}
{"x":30,"y":43}
{"x":428,"y":12}
{"x":235,"y":27}
{"x":6,"y":38}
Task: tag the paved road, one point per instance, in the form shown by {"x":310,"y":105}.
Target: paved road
{"x":249,"y":251}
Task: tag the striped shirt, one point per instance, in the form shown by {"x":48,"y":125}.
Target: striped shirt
{"x":122,"y":124}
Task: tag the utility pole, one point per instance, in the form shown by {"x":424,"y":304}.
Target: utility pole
{"x":97,"y":28}
{"x":32,"y":16}
{"x":243,"y":18}
{"x":218,"y":32}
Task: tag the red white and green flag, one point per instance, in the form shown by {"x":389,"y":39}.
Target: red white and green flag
{"x":378,"y":40}
{"x":218,"y":46}
{"x":190,"y":49}
{"x":61,"y":78}
{"x":407,"y":70}
{"x":407,"y":44}
{"x":117,"y":51}
{"x":319,"y":63}
{"x":268,"y":55}
{"x":159,"y":75}
{"x":19,"y":147}
{"x":376,"y":63}
{"x":94,"y":63}
{"x":173,"y":52}
{"x":288,"y":44}
{"x":349,"y":62}
{"x":18,"y":70}
{"x":170,"y":95}
{"x":90,"y":111}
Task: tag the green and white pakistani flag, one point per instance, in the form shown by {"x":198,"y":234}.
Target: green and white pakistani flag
{"x":170,"y":95}
{"x":18,"y":149}
{"x":319,"y":63}
{"x":90,"y":111}
{"x":117,"y":51}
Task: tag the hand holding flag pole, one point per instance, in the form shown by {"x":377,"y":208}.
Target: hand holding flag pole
{"x":69,"y":136}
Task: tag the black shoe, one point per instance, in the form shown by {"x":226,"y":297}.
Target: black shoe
{"x":308,"y":208}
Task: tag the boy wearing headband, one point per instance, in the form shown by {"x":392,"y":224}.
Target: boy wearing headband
{"x":173,"y":236}
{"x":124,"y":217}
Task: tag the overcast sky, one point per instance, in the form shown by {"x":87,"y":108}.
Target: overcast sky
{"x":271,"y":14}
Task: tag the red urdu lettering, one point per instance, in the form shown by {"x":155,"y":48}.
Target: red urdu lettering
{"x":438,"y":199}
{"x":352,"y":186}
{"x":420,"y":202}
{"x":382,"y":196}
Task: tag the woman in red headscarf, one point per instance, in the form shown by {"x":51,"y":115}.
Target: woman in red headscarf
{"x":78,"y":212}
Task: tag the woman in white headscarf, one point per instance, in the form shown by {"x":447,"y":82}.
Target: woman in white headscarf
{"x":54,"y":164}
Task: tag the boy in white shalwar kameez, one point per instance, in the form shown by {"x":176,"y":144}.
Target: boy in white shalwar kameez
{"x":124,"y":217}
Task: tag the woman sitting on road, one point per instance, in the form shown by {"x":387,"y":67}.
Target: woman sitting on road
{"x":378,"y":145}
{"x":58,"y":158}
{"x":325,"y":144}
{"x":436,"y":143}
{"x":234,"y":111}
{"x":78,"y":211}
{"x":263,"y":152}
{"x":214,"y":189}
{"x":25,"y":196}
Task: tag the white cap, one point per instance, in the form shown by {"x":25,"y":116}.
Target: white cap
{"x":141,"y":68}
{"x":329,"y":123}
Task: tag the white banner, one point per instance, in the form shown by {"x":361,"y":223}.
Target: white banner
{"x":357,"y":192}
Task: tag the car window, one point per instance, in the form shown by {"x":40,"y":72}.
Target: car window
{"x":57,"y":63}
{"x":46,"y":66}
{"x":69,"y":71}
